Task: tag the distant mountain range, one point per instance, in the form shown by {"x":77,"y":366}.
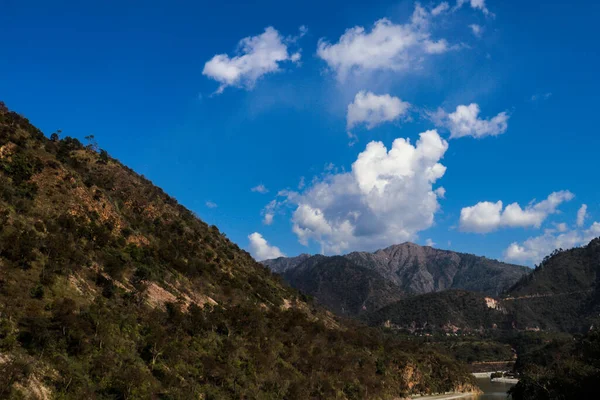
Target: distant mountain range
{"x":362,"y":282}
{"x":562,"y":294}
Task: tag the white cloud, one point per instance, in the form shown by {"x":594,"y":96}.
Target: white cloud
{"x":211,"y":204}
{"x":476,"y":29}
{"x":476,"y":4}
{"x":440,"y":192}
{"x":268,"y":212}
{"x":372,"y":110}
{"x":581,"y":214}
{"x":260,"y":248}
{"x":486,"y":216}
{"x":258,"y":56}
{"x":534,"y":249}
{"x":440,"y":8}
{"x":387,"y":197}
{"x":260,"y":189}
{"x":465,"y":121}
{"x":429,"y":242}
{"x":387,"y":46}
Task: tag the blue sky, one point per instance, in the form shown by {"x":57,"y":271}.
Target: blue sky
{"x":177,"y":93}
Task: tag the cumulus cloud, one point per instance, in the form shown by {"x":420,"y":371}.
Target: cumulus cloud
{"x":260,"y":189}
{"x":476,"y":4}
{"x":476,"y":29}
{"x":534,"y":249}
{"x":211,"y":204}
{"x":581,"y":214}
{"x":257,"y":56}
{"x":429,"y":242}
{"x":387,"y":197}
{"x":372,"y":110}
{"x":465,"y":121}
{"x":486,"y":216}
{"x":387,"y":46}
{"x":260,"y":248}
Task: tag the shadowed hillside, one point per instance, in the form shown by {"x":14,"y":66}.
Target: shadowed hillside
{"x":342,"y":286}
{"x":449,"y":311}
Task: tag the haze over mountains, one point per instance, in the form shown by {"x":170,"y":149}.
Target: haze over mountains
{"x":392,"y":273}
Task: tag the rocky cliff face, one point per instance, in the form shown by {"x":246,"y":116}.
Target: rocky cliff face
{"x":423,"y":269}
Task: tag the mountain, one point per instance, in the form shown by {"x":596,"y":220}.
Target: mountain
{"x":423,"y":269}
{"x":561,"y":294}
{"x":374,"y":280}
{"x":282,"y":264}
{"x":110,"y":289}
{"x":331,"y":279}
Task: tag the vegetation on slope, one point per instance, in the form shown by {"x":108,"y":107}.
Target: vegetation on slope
{"x":109,"y":289}
{"x":561,"y":293}
{"x":449,"y":311}
{"x":342,"y":286}
{"x":560,"y":369}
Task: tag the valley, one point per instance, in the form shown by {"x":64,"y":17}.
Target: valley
{"x":111,"y":289}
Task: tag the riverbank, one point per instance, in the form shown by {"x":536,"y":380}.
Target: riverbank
{"x":446,"y":396}
{"x":514,"y":381}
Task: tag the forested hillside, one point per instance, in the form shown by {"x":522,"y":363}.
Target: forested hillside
{"x":450,"y":311}
{"x":109,"y":289}
{"x":560,"y":369}
{"x":561,"y":293}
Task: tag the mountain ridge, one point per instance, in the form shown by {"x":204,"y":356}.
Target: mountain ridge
{"x":407,"y":268}
{"x":562,"y":295}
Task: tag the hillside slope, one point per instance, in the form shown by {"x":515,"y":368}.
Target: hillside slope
{"x":449,"y":311}
{"x":562,"y":293}
{"x":331,"y":279}
{"x":109,"y":289}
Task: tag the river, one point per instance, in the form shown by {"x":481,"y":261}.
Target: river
{"x":491,"y":390}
